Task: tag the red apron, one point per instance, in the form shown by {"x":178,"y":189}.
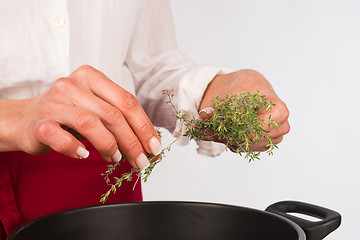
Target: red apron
{"x":32,"y":186}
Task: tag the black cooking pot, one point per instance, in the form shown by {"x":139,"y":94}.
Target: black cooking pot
{"x":181,"y":220}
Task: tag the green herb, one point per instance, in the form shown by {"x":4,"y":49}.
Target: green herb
{"x":154,"y":160}
{"x":234,"y":121}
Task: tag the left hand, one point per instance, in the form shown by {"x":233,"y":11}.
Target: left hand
{"x":249,"y":81}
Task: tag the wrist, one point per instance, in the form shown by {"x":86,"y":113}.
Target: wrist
{"x":9,"y":115}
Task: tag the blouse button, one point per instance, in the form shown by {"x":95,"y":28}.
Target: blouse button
{"x":58,"y":22}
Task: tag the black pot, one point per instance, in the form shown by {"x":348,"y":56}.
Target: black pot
{"x":181,"y":220}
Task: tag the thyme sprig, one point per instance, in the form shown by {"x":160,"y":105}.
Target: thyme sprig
{"x":144,"y":175}
{"x":118,"y":183}
{"x":235,"y":122}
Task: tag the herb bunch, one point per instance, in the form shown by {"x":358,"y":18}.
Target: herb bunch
{"x":235,"y":122}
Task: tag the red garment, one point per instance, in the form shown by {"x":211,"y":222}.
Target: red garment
{"x":33,"y":186}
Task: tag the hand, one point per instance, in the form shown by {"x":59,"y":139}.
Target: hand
{"x":91,"y":104}
{"x":248,"y":81}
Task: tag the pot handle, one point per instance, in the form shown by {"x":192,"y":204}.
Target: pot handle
{"x":330,"y":220}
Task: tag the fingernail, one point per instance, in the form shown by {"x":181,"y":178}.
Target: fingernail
{"x":207,"y":110}
{"x":117,"y":156}
{"x":82,"y":152}
{"x":155,"y":146}
{"x":142,"y":161}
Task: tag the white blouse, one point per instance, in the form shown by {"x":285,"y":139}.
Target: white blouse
{"x":131,"y":41}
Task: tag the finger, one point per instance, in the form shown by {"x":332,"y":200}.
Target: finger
{"x":263,"y":143}
{"x":282,"y":130}
{"x":260,"y":146}
{"x":88,"y":125}
{"x":234,"y":149}
{"x":206,"y":113}
{"x":113,"y":119}
{"x":77,"y":135}
{"x":128,"y":105}
{"x":278,"y":113}
{"x":51,"y":134}
{"x":261,"y":149}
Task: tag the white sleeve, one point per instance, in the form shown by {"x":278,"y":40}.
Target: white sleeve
{"x":156,"y":64}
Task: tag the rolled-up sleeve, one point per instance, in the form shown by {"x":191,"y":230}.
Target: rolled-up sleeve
{"x":157,"y":64}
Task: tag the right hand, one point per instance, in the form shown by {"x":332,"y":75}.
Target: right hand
{"x":91,"y":104}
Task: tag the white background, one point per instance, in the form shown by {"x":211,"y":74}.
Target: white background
{"x":310,"y":52}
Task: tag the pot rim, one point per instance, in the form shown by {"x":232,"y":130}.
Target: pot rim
{"x":298,"y":229}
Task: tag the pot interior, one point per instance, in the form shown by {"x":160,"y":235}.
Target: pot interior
{"x":160,"y":220}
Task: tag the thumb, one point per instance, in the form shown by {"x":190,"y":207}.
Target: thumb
{"x":206,"y":113}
